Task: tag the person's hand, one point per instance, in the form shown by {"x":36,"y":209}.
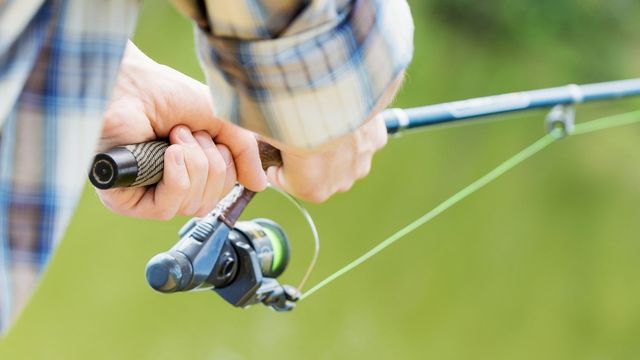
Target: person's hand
{"x":315,"y":176}
{"x":207,"y":155}
{"x":334,"y":167}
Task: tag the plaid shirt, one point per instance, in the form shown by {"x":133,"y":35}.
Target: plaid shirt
{"x":301,"y":72}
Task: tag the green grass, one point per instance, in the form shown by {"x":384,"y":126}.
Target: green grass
{"x":541,"y":264}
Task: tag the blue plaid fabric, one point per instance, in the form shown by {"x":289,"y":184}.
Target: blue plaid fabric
{"x":300,"y":72}
{"x":58,"y":63}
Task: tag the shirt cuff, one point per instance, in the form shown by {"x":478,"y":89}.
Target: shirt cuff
{"x":309,"y":87}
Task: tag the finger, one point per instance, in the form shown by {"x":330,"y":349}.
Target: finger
{"x":216,"y":174}
{"x":244,"y":148}
{"x":198,"y":114}
{"x":197,"y":168}
{"x":163,"y":201}
{"x":371,"y":136}
{"x":313,"y":194}
{"x":364,"y":166}
{"x":345,"y":186}
{"x":121,"y":200}
{"x":276,"y":179}
{"x":231,"y":176}
{"x":380,"y":135}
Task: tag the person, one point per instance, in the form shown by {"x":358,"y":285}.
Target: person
{"x":307,"y":76}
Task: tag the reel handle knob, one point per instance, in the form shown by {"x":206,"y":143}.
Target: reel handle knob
{"x":169,"y":272}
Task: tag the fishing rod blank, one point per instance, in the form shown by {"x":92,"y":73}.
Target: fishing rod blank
{"x":400,"y":119}
{"x":142,"y":164}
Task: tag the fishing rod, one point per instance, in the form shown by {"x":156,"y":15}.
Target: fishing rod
{"x":241,"y":261}
{"x":400,"y":119}
{"x":142,"y":164}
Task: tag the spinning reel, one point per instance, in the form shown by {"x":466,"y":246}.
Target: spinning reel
{"x":241,"y":263}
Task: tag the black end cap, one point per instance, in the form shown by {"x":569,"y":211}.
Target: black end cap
{"x":114,"y":168}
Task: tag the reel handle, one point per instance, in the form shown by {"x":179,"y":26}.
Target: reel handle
{"x":142,"y":164}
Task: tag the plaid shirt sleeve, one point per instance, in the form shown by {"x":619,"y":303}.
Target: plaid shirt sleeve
{"x":58,"y":62}
{"x":300,"y":72}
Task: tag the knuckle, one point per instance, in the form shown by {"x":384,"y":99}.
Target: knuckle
{"x":202,"y":134}
{"x":365,"y":169}
{"x":382,"y":140}
{"x":345,"y":188}
{"x":316,"y":197}
{"x":114,"y":119}
{"x":182,"y":185}
{"x":217,"y":166}
{"x":366,"y":145}
{"x":226,"y":156}
{"x":164,"y":214}
{"x":346,"y":185}
{"x":199,"y":160}
{"x":191,"y":205}
{"x":189,"y":210}
{"x":203,"y":211}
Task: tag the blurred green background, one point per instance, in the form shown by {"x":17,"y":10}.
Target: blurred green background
{"x":541,"y":264}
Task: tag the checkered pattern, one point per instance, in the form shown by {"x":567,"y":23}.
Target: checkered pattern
{"x":58,"y":63}
{"x":302,"y":72}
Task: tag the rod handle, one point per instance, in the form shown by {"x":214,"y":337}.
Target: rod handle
{"x":142,"y":164}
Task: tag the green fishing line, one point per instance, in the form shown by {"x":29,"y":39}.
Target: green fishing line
{"x":582,"y":128}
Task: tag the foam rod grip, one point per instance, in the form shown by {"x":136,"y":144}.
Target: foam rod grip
{"x":142,"y":164}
